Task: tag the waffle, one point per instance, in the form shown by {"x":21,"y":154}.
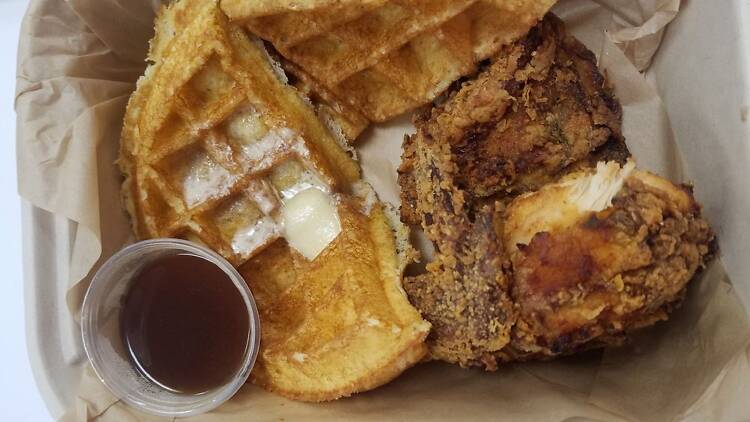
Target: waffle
{"x":396,"y":57}
{"x":256,"y":8}
{"x":336,"y":112}
{"x":293,"y":27}
{"x":361,"y":320}
{"x":353,"y":46}
{"x":215,"y":148}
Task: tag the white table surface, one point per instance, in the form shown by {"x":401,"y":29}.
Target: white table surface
{"x":19,"y":397}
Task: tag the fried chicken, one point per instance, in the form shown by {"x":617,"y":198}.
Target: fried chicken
{"x":541,"y":106}
{"x":465,"y":294}
{"x":547,"y":240}
{"x":597,"y":255}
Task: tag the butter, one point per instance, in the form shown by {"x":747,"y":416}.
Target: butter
{"x":307,"y":180}
{"x":246,"y":126}
{"x":310,"y":221}
{"x":205,"y":179}
{"x":248,"y":239}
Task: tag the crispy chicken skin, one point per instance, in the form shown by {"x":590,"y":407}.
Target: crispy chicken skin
{"x":583,"y":274}
{"x":465,"y":293}
{"x":541,"y":106}
{"x":547,"y":239}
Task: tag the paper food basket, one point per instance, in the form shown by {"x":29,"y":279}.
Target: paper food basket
{"x":702,"y":73}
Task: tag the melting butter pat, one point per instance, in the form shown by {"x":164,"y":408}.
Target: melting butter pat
{"x":311,"y":222}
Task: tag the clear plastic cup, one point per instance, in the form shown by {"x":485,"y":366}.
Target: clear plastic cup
{"x":100,"y":328}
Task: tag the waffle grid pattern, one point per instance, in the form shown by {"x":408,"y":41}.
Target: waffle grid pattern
{"x":219,"y":164}
{"x":383,"y":58}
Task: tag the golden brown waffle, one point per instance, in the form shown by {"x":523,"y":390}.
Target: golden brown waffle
{"x":293,"y":27}
{"x":390,"y":59}
{"x":339,"y":324}
{"x":208,"y":162}
{"x":336,"y":112}
{"x":214,"y":142}
{"x":353,"y":46}
{"x":255,"y":8}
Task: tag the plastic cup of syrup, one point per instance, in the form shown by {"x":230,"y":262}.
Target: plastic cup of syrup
{"x":170,"y":327}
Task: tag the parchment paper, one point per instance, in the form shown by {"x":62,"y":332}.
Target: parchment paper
{"x":78,"y":61}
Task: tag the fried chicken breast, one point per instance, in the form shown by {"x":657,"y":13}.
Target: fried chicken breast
{"x":597,"y":255}
{"x":547,"y":239}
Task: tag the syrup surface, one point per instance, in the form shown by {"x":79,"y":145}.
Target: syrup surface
{"x":185,"y":324}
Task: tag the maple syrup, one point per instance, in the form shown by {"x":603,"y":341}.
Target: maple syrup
{"x":184,"y":324}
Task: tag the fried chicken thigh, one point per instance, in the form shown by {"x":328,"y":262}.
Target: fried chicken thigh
{"x":541,"y":106}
